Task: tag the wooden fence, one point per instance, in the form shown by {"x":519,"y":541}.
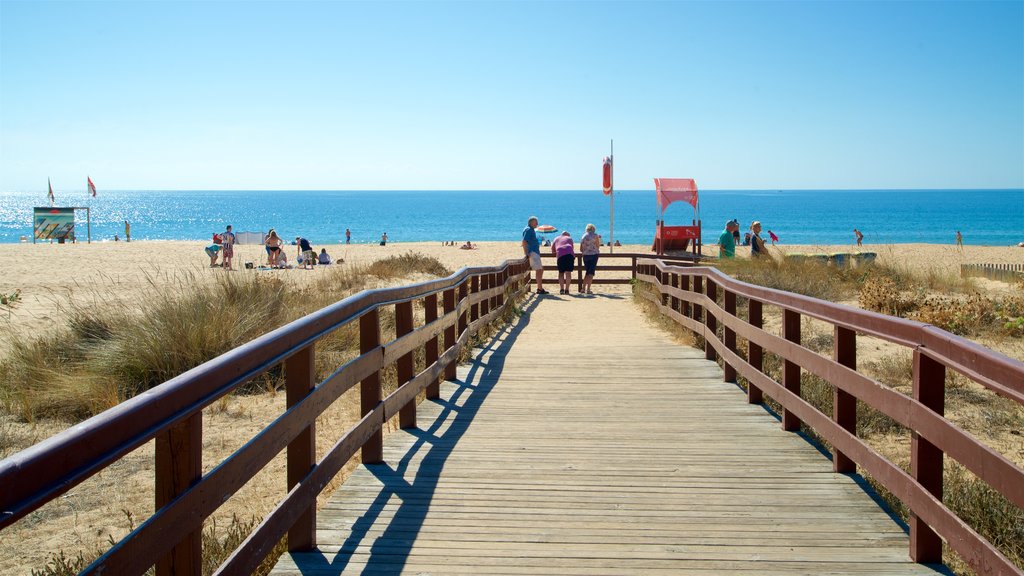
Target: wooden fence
{"x":1004,"y":272}
{"x":701,"y":299}
{"x":171,"y":414}
{"x":605,"y":265}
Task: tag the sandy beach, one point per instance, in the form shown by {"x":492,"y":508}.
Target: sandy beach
{"x":50,"y":276}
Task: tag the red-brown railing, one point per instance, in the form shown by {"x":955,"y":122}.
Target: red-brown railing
{"x":172,"y":415}
{"x":690,"y":296}
{"x":604,"y":266}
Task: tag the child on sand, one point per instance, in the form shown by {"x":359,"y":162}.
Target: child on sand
{"x":213,"y":250}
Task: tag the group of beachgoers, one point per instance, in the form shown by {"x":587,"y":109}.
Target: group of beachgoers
{"x":730,"y":239}
{"x":277,"y":258}
{"x":564,"y":251}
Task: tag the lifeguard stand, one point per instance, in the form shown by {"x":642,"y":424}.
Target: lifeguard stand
{"x":676,"y":238}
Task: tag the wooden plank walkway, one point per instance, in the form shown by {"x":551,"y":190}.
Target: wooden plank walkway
{"x":583,"y":441}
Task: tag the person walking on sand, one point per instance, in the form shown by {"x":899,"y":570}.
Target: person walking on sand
{"x":959,"y":241}
{"x":128,"y":231}
{"x":590,"y":247}
{"x":860,"y":237}
{"x":384,"y":239}
{"x":348,"y":236}
{"x":227,"y":241}
{"x":531,"y":249}
{"x":727,"y":240}
{"x":757,"y":248}
{"x":565,"y":254}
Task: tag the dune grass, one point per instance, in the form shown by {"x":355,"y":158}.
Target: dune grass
{"x":104,"y":355}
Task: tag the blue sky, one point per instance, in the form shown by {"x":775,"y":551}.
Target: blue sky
{"x":509,"y":95}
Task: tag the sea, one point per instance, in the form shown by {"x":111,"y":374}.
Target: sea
{"x":984,"y":217}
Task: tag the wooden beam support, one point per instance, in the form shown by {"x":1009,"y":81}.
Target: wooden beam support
{"x":179,"y":465}
{"x":404,"y":365}
{"x":369,"y":388}
{"x":844,"y":404}
{"x":925,"y":458}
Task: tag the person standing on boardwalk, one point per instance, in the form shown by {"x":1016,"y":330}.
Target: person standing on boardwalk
{"x":590,"y":247}
{"x":959,"y":241}
{"x":757,"y":248}
{"x":565,"y":253}
{"x":227,"y":240}
{"x":860,"y":237}
{"x":531,"y":249}
{"x":128,"y":231}
{"x":348,"y":236}
{"x":727,"y":240}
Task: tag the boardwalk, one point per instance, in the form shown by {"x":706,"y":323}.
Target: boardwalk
{"x":583,"y":441}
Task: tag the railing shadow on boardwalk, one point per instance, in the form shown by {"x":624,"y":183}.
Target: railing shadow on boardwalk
{"x":485,"y":367}
{"x":861,"y":482}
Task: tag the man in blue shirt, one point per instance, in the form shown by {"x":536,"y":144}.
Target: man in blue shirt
{"x":531,"y":249}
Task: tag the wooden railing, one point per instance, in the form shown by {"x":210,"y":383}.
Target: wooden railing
{"x":172,"y":415}
{"x":701,"y":299}
{"x":604,"y":265}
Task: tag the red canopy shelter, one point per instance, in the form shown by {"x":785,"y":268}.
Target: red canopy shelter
{"x":667,"y":191}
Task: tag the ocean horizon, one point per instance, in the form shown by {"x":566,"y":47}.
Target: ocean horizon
{"x":989,"y":217}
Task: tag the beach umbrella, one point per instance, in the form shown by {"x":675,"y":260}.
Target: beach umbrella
{"x":546,"y":229}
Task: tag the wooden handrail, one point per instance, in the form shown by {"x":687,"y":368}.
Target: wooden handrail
{"x":171,"y":414}
{"x":933,"y":436}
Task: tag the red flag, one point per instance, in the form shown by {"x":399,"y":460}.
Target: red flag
{"x":50,"y":195}
{"x":92,"y":187}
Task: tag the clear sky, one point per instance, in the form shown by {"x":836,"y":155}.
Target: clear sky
{"x":509,"y":95}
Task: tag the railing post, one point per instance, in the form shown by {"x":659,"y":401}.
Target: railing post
{"x":493,"y":282}
{"x":404,"y":366}
{"x":925,"y":457}
{"x":710,"y":322}
{"x":179,"y":465}
{"x":684,"y":284}
{"x":698,"y":288}
{"x":430,"y":352}
{"x":844,"y":404}
{"x":463,"y":318}
{"x":634,"y":268}
{"x":579,"y":272}
{"x":729,"y":371}
{"x":755,"y":355}
{"x":449,"y":332}
{"x":474,"y":288}
{"x":674,"y":282}
{"x":501,"y":278}
{"x":790,"y":370}
{"x":369,"y":388}
{"x":300,"y":380}
{"x":485,"y":304}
